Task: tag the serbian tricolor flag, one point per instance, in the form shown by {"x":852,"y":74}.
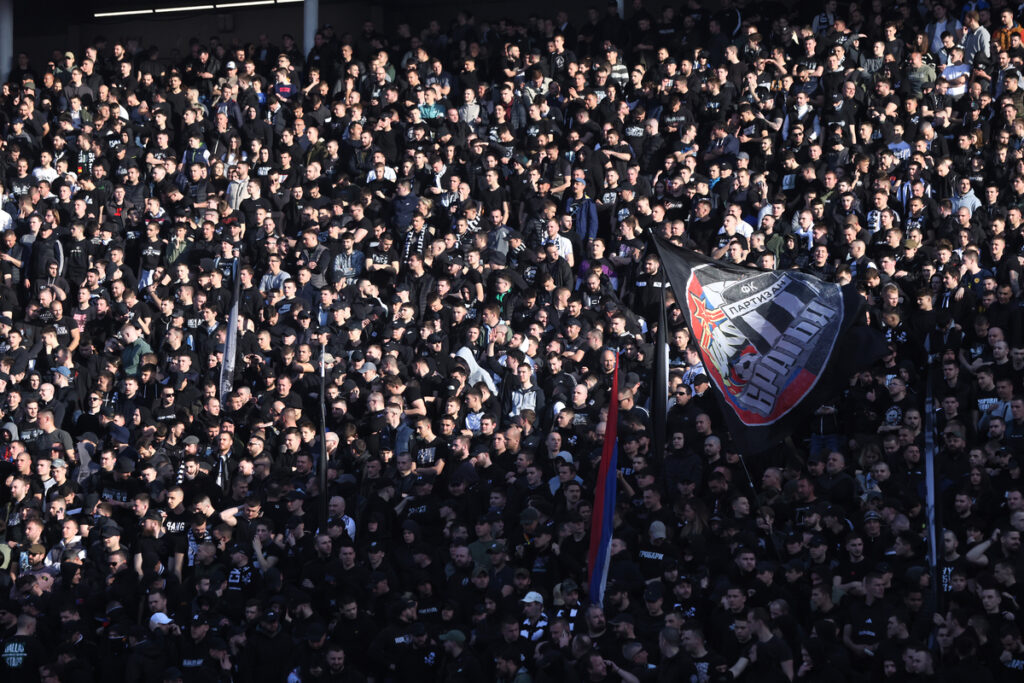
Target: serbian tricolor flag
{"x":604,"y":500}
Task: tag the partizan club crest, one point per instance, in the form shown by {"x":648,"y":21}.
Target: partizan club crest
{"x":765,"y":337}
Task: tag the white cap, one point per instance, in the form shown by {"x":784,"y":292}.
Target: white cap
{"x":533,"y":596}
{"x":159,"y":619}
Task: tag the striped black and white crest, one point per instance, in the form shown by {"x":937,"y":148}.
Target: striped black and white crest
{"x":765,"y":337}
{"x":768,"y":339}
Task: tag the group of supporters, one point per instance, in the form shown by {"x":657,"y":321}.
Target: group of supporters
{"x":416,"y":261}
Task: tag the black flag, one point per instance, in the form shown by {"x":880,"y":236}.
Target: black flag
{"x":768,"y":340}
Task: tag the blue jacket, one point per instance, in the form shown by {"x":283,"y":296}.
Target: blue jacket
{"x":584,"y":216}
{"x":404,"y":208}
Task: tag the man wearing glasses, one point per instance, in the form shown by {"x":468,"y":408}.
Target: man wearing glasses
{"x":167,"y":410}
{"x":117,"y":565}
{"x":89,"y":419}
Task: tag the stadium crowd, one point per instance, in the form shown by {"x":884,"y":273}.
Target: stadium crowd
{"x":456,"y":221}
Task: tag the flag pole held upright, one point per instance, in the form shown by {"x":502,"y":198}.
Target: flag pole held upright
{"x":601,"y":522}
{"x":659,"y":390}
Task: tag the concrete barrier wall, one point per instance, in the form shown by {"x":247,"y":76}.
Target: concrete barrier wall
{"x":172,"y":32}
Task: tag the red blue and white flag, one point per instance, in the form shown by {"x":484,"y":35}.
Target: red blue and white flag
{"x":603,"y":517}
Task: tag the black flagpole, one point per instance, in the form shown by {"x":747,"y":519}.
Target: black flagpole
{"x":659,"y":397}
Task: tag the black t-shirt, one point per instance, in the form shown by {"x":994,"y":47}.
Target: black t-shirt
{"x":425,"y":511}
{"x":868,"y":623}
{"x":983,"y":400}
{"x":155,"y":550}
{"x":382,"y":257}
{"x":946,"y":570}
{"x":20,"y":657}
{"x":770,"y":655}
{"x":494,"y":199}
{"x":243,"y":582}
{"x":64,"y":327}
{"x":852,"y":571}
{"x":176,"y":523}
{"x":705,"y":664}
{"x":152,"y":253}
{"x":428,"y":453}
{"x":652,"y":558}
{"x":29,"y":431}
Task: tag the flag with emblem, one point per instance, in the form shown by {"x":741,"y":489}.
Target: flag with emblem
{"x":771,"y":341}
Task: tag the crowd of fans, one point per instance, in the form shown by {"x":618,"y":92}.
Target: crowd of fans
{"x":455,"y":223}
